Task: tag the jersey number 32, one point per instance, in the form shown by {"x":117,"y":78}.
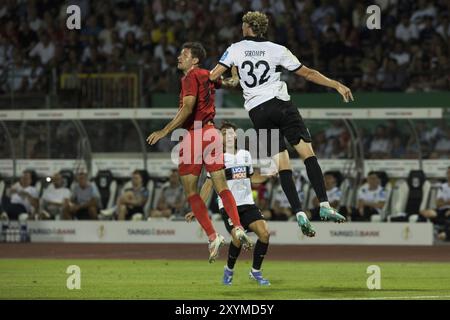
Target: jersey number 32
{"x":251,"y":68}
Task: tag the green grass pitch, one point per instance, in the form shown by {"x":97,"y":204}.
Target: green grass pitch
{"x":157,"y":279}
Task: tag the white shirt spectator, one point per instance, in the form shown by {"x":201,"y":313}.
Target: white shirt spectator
{"x":18,"y":199}
{"x":335,"y":26}
{"x":45,"y":53}
{"x":36,"y":24}
{"x":160,"y":51}
{"x":333,"y":131}
{"x":123,"y":27}
{"x":281,"y":198}
{"x":380,"y":145}
{"x":444,"y":32}
{"x":373,"y":196}
{"x":444,"y":194}
{"x":419,"y":15}
{"x":16,"y":76}
{"x":406,"y":33}
{"x":334,"y":194}
{"x":401,"y":58}
{"x":56,"y":195}
{"x":443,"y":146}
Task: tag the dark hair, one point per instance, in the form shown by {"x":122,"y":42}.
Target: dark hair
{"x":197,"y":50}
{"x":372,"y":172}
{"x":227,"y":125}
{"x":139,"y":172}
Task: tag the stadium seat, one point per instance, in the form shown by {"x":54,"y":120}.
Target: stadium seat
{"x":410,"y":197}
{"x":2,"y":191}
{"x":107,"y":187}
{"x":348,"y":193}
{"x":150,"y":188}
{"x":159,"y":185}
{"x":68,"y":177}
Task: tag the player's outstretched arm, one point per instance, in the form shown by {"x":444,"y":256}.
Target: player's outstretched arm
{"x":318,"y":78}
{"x":180,"y":118}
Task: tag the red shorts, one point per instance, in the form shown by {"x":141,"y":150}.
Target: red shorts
{"x":201,"y":147}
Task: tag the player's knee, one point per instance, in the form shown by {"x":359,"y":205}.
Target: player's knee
{"x":264,"y":235}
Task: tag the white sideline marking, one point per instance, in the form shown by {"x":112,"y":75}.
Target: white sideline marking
{"x":385,"y":298}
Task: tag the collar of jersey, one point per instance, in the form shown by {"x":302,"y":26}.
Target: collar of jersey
{"x":258,"y":39}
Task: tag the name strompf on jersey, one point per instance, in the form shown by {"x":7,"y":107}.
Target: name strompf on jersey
{"x":255,"y":53}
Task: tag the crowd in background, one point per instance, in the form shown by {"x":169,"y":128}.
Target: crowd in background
{"x":85,"y":199}
{"x":409,"y":53}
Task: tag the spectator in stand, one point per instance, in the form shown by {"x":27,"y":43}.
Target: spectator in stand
{"x":406,"y":30}
{"x":55,"y":199}
{"x":441,"y":214}
{"x":44,"y":49}
{"x":85,"y":200}
{"x":171,"y":201}
{"x":333,"y":193}
{"x":132,"y":200}
{"x":281,"y":209}
{"x":380,"y":146}
{"x":371,"y":199}
{"x":22,"y":197}
{"x":332,"y":36}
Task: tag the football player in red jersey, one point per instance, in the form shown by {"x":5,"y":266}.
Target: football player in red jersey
{"x":201,"y":145}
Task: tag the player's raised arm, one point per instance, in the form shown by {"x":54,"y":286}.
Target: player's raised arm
{"x":182,"y":115}
{"x":318,"y":78}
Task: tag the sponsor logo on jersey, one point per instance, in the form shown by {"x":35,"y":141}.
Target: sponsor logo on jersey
{"x":238,"y":173}
{"x":224,"y":56}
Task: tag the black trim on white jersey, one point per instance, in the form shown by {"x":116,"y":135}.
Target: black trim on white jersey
{"x":298,"y":68}
{"x":257,"y":39}
{"x":223,"y":64}
{"x":278,"y":68}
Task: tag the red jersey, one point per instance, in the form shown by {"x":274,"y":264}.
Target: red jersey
{"x":196,"y":83}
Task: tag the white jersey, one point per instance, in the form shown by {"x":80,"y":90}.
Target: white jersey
{"x":444,"y":194}
{"x":259,"y":65}
{"x":374,"y":196}
{"x":238,"y":169}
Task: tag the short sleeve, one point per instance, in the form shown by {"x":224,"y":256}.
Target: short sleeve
{"x":189,"y":85}
{"x":95,"y":192}
{"x":32,"y":191}
{"x":227,"y":59}
{"x":68,"y":194}
{"x":289,"y":61}
{"x":382,"y":195}
{"x":361,"y":193}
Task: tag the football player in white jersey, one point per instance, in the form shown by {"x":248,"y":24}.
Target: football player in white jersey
{"x":259,"y":63}
{"x":240,"y":176}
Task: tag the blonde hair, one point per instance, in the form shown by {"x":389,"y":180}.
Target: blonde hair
{"x":258,"y":21}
